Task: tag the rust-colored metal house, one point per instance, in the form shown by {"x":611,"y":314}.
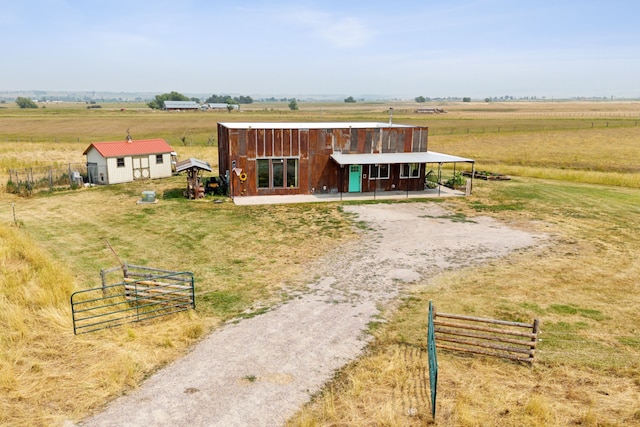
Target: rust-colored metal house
{"x":306,"y":158}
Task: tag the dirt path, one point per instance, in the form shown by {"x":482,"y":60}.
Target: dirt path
{"x":260,"y":371}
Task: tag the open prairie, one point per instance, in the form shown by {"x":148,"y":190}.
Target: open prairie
{"x":575,"y":177}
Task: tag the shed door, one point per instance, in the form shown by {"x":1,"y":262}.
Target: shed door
{"x":141,"y":168}
{"x":355,"y":178}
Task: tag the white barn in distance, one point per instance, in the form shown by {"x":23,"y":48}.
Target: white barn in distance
{"x":130,"y":160}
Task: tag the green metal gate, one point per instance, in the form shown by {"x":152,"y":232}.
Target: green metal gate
{"x":132,"y":300}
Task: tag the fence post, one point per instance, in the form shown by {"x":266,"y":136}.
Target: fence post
{"x":103,"y":278}
{"x":534,"y":339}
{"x":50,"y":179}
{"x":433,"y":358}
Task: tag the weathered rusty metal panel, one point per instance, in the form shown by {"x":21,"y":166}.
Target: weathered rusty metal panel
{"x":251,"y":144}
{"x":258,"y":141}
{"x":286,"y":143}
{"x":329,"y":140}
{"x":353,"y":140}
{"x":415,"y":141}
{"x":295,"y":143}
{"x":368,"y":141}
{"x":400,"y":140}
{"x":242,"y":142}
{"x":419,"y":140}
{"x":389,"y":140}
{"x":302,"y":136}
{"x":376,"y":145}
{"x":223,"y":149}
{"x":407,"y":140}
{"x":424,"y":133}
{"x":276,"y":135}
{"x":267,"y":142}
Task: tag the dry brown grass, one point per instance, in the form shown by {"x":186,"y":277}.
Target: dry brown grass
{"x":583,"y":286}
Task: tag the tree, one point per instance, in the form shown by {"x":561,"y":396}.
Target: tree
{"x":349,"y":99}
{"x":243,"y":99}
{"x":158,"y":103}
{"x":421,"y":99}
{"x":466,"y":99}
{"x":25,"y":102}
{"x":293,"y":104}
{"x":226,"y":99}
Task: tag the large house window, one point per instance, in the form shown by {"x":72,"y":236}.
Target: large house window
{"x":410,"y":170}
{"x":277,"y":172}
{"x":120,"y":162}
{"x":159,"y":159}
{"x":379,"y":171}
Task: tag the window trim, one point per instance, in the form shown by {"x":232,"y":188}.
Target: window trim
{"x":417,"y":170}
{"x":284,"y":161}
{"x":379,"y":167}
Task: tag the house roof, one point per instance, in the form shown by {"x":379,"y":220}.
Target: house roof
{"x":395,"y":158}
{"x":312,"y":125}
{"x":193,"y":163}
{"x":133,"y":148}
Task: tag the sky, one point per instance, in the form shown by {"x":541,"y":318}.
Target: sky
{"x":394,"y":48}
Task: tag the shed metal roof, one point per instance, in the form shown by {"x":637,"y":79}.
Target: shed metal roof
{"x":134,"y":148}
{"x":396,"y":158}
{"x":312,"y":125}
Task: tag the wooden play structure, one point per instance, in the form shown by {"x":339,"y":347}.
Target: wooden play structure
{"x":194,"y":168}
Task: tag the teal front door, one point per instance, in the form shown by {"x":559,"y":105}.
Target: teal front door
{"x":355,"y":178}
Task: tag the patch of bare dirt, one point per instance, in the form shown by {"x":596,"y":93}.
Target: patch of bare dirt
{"x":260,"y":371}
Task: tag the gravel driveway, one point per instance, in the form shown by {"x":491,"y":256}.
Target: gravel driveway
{"x":260,"y":371}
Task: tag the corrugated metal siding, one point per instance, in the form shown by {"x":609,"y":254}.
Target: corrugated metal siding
{"x":313,"y":147}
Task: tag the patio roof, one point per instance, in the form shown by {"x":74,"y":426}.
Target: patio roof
{"x":396,"y":158}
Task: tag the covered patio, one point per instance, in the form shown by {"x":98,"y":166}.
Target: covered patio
{"x":442,"y":191}
{"x":407,"y":158}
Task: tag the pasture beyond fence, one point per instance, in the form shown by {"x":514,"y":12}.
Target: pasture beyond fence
{"x":29,"y":180}
{"x":142,"y":294}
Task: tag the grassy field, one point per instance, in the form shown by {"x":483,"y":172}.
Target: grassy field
{"x":578,"y":184}
{"x":583,"y":288}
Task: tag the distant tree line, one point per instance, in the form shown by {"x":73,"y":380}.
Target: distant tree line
{"x":158,"y":102}
{"x":226,"y":99}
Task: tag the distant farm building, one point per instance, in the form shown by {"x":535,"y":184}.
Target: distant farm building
{"x":181,"y":105}
{"x":221,"y":106}
{"x":259,"y":159}
{"x":129,"y":160}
